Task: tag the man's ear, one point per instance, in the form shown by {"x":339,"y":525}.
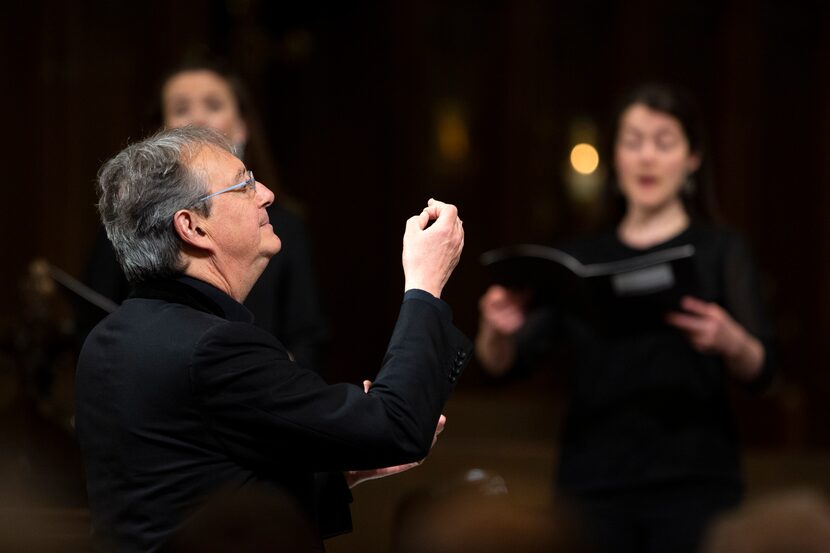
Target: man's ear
{"x":187,"y":227}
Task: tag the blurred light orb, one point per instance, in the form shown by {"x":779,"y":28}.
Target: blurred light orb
{"x":453,"y":135}
{"x":584,"y":159}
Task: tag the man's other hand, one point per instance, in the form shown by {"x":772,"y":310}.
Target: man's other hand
{"x":355,"y":477}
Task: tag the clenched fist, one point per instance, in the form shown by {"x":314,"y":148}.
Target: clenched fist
{"x":430,"y":254}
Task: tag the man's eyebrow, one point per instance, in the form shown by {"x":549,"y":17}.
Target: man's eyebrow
{"x":241,"y":174}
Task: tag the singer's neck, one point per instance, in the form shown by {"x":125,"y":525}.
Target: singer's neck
{"x":642,"y":228}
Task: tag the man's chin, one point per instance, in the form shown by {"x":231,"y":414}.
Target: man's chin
{"x":274,"y":248}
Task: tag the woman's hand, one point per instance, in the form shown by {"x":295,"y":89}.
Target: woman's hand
{"x":711,"y":330}
{"x":502,"y":309}
{"x":502,"y":315}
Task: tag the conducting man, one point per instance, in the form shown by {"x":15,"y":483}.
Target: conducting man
{"x":179,"y":395}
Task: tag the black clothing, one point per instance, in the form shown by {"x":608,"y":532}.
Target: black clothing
{"x":645,"y":408}
{"x":658,"y":518}
{"x":284,"y":300}
{"x":178,"y":395}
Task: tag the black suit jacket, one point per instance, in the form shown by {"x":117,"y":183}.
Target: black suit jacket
{"x":178,"y":394}
{"x":284,"y":299}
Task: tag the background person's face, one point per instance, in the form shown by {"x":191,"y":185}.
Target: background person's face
{"x":652,"y":157}
{"x":203,"y":98}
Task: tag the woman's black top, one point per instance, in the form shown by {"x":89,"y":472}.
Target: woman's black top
{"x":645,"y":407}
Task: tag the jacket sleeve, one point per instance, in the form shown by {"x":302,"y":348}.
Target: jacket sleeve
{"x":744,"y":303}
{"x":264,"y":408}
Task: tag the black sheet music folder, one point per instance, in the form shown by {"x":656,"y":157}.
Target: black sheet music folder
{"x":614,"y":295}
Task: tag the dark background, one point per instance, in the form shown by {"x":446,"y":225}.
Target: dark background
{"x":351,"y":94}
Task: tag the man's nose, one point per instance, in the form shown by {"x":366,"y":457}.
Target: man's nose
{"x":264,"y":195}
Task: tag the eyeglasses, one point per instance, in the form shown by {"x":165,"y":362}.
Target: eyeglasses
{"x":248,"y":184}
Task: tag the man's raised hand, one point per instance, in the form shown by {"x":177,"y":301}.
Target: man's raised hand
{"x":430,"y":253}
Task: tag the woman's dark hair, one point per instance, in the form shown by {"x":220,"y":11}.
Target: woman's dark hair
{"x":257,"y":153}
{"x":680,"y":104}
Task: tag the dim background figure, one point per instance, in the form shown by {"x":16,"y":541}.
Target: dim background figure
{"x":648,"y":448}
{"x":284,"y":301}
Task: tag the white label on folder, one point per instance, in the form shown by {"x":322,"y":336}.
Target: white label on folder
{"x":643,"y":281}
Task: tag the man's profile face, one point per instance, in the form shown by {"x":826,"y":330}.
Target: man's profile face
{"x":238,"y":224}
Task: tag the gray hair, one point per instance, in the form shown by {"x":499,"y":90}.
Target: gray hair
{"x":139,"y":191}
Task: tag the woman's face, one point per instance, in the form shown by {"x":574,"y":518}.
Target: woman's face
{"x":203,"y":98}
{"x":652,"y":157}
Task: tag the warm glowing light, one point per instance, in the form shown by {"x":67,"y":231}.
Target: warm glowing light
{"x":584,"y":159}
{"x":453,"y":137}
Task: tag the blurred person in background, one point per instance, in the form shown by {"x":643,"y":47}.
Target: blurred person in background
{"x":794,"y":521}
{"x":649,"y":450}
{"x":284,"y":300}
{"x":476,"y":514}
